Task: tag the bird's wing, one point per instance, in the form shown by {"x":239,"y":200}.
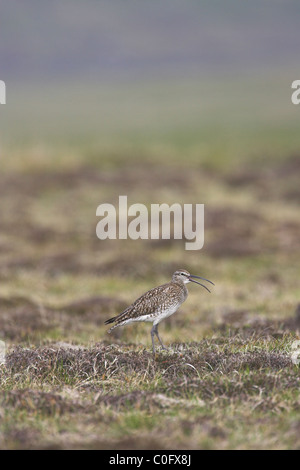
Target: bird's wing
{"x":150,"y":302}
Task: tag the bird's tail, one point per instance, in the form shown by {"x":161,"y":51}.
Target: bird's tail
{"x":111,"y":320}
{"x":118,"y":319}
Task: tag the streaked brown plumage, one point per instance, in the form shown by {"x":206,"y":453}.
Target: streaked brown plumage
{"x":157,"y":304}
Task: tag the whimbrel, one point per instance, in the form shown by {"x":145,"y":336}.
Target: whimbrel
{"x":158,"y":303}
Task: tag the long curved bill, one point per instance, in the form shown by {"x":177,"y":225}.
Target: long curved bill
{"x":203,"y":278}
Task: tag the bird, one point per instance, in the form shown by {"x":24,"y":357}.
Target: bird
{"x":158,"y":303}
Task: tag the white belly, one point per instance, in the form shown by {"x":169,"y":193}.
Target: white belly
{"x":161,"y":316}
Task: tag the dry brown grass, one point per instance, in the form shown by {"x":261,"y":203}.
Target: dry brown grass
{"x":227,"y":380}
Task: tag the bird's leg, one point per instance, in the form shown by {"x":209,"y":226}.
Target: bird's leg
{"x":156,"y":332}
{"x":152,"y":337}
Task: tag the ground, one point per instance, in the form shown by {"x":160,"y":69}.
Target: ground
{"x":227,"y":380}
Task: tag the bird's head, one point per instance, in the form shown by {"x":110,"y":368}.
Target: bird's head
{"x":184,"y":276}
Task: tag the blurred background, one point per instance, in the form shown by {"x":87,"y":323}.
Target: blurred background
{"x":166,"y":101}
{"x":201,"y":73}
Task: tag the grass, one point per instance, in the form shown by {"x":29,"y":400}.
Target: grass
{"x":206,"y":395}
